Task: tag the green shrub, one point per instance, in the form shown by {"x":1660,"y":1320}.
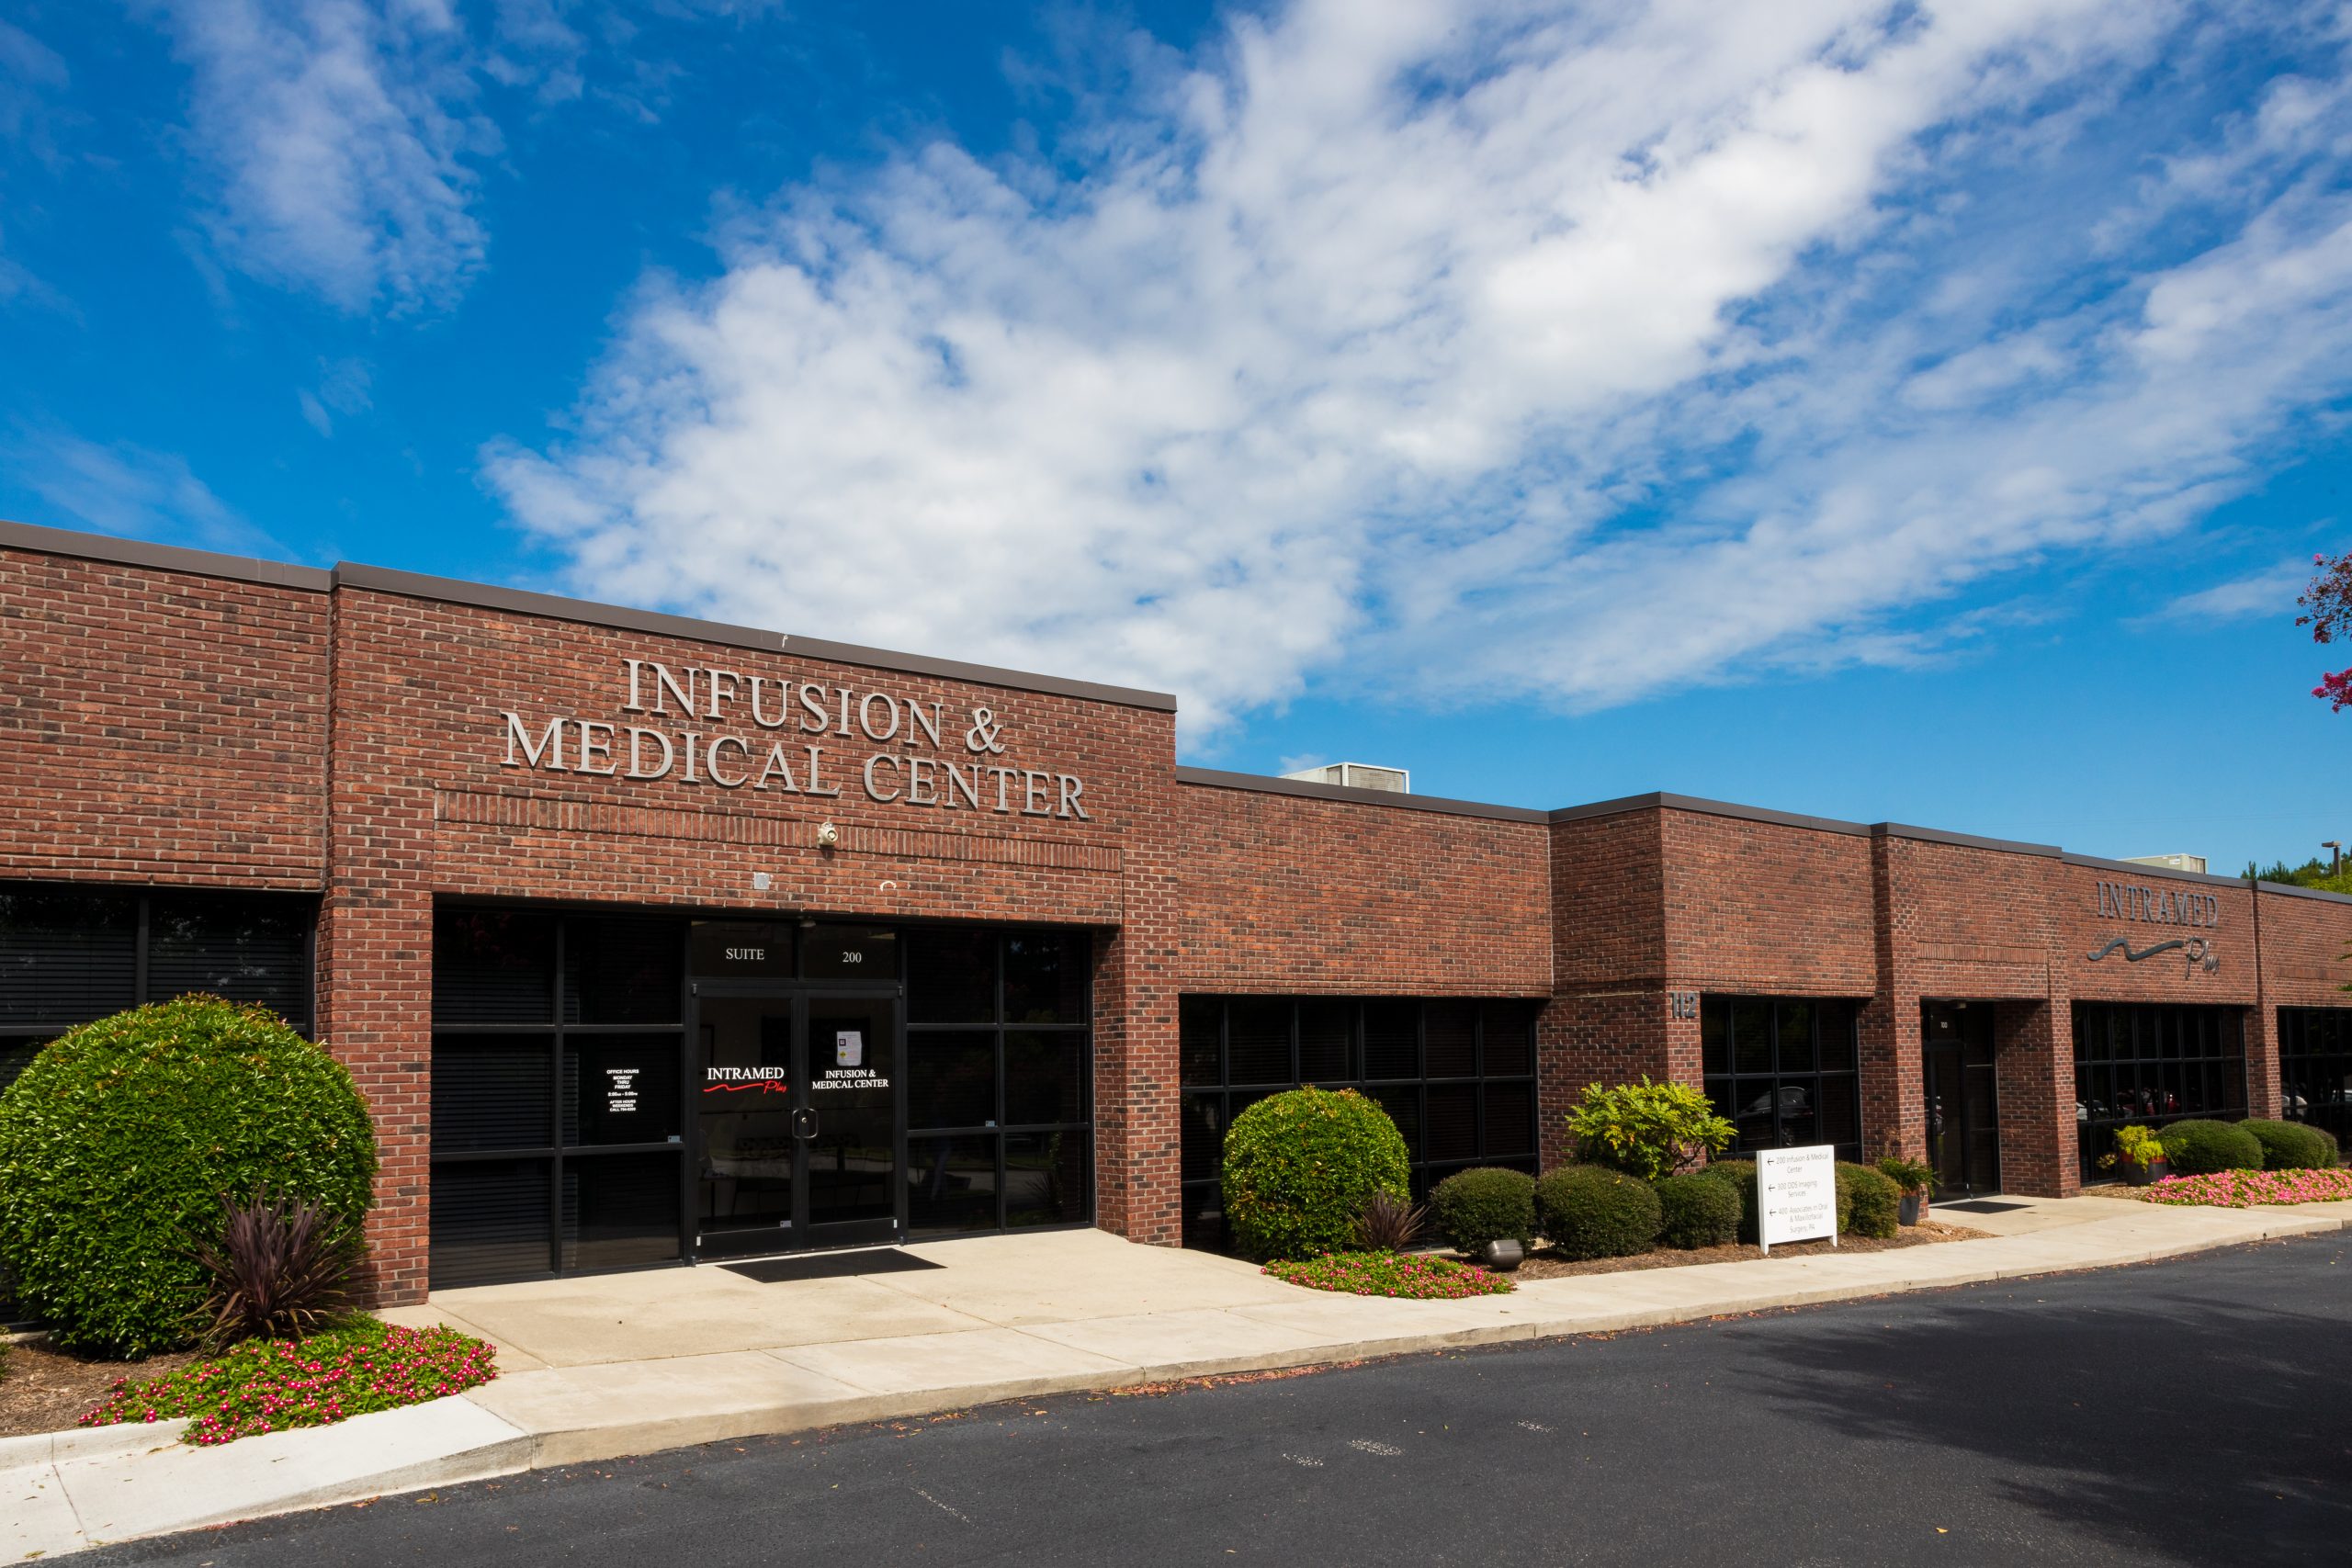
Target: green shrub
{"x":1589,"y":1211}
{"x":1298,"y":1166}
{"x":2200,"y":1148}
{"x":1649,"y":1130}
{"x":1698,"y":1211}
{"x":1869,"y":1202}
{"x":119,"y":1140}
{"x":2290,"y":1146}
{"x":1474,"y":1207}
{"x":1909,"y":1176}
{"x":1739,"y":1175}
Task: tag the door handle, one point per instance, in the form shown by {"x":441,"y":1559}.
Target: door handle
{"x":804,"y":1123}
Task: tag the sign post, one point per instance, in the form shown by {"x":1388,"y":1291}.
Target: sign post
{"x":1796,"y":1195}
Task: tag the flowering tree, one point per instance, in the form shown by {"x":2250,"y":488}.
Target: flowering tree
{"x":2327,"y":610}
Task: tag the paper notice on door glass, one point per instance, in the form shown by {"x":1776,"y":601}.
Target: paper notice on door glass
{"x":849,"y":1048}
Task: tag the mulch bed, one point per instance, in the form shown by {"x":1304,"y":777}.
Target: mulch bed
{"x":1543,"y":1265}
{"x":45,"y":1391}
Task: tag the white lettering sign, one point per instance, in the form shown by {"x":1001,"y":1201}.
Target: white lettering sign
{"x":964,"y":774}
{"x":1796,"y":1195}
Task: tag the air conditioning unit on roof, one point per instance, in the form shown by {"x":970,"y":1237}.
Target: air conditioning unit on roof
{"x":1358,"y":775}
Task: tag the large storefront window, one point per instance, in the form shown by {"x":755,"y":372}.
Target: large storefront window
{"x":578,"y":1126}
{"x":557,"y":1133}
{"x":2316,"y":1067}
{"x":1783,"y":1070}
{"x":69,"y":956}
{"x":2151,"y":1064}
{"x":999,"y":1088}
{"x":1458,"y":1077}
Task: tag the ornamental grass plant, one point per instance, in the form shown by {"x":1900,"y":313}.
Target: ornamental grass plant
{"x":269,"y":1385}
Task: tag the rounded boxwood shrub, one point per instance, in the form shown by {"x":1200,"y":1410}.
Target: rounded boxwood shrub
{"x":1587,"y":1210}
{"x":2290,"y":1146}
{"x":2201,"y":1148}
{"x":1298,"y":1166}
{"x":119,"y":1140}
{"x":1698,"y":1211}
{"x":1869,"y":1202}
{"x":1739,"y":1175}
{"x":1474,"y":1207}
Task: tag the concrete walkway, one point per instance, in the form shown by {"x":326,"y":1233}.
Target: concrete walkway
{"x":595,"y":1369}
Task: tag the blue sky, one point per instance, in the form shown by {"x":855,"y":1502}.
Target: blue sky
{"x":1918,"y":412}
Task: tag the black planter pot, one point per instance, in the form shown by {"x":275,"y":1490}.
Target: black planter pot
{"x":2143,"y":1175}
{"x":1913,"y":1203}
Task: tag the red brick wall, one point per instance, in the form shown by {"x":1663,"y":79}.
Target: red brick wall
{"x":2304,"y":964}
{"x":158,"y":727}
{"x":1288,"y":894}
{"x":1607,"y":1021}
{"x":167,"y":727}
{"x":1969,"y":923}
{"x":423,"y":805}
{"x":1765,"y":908}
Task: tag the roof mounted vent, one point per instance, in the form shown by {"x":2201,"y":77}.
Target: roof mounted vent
{"x":2171,"y":862}
{"x":1358,"y":775}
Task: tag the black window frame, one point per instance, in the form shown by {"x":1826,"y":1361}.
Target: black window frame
{"x":2129,"y":1053}
{"x":1205,"y":1108}
{"x":2315,"y":1068}
{"x":998,"y":1027}
{"x":562,"y":1161}
{"x":21,"y":1040}
{"x":1732,"y":1091}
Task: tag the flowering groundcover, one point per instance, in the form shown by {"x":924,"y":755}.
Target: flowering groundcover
{"x":1391,"y":1274}
{"x":266,"y":1385}
{"x":2244,"y":1188}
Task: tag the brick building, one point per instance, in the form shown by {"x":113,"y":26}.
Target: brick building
{"x":649,"y":939}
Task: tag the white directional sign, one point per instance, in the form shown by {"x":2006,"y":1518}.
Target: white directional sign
{"x":1796,"y":1195}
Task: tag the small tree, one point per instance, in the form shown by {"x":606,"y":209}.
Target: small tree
{"x":1649,"y":1130}
{"x":2327,"y":610}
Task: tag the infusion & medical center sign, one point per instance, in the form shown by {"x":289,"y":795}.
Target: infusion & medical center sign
{"x":733,"y":731}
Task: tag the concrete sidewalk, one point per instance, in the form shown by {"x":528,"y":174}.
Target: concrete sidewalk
{"x":597,"y":1367}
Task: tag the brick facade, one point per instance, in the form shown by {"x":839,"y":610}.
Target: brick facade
{"x":181,"y":720}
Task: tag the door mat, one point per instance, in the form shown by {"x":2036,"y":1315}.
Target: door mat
{"x":831,"y":1266}
{"x":1977,"y":1206}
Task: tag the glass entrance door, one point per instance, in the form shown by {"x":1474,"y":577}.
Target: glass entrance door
{"x":1964,"y":1126}
{"x":797,"y":1123}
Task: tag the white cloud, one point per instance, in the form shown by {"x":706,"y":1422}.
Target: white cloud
{"x":1507,"y":349}
{"x":2268,"y":592}
{"x":338,"y":134}
{"x":342,"y":389}
{"x":132,"y":493}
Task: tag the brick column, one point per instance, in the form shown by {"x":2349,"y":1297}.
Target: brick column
{"x":1138,"y":1146}
{"x":2262,"y":1093}
{"x":1894,"y":1091}
{"x":376,"y":928}
{"x":2033,"y":1077}
{"x":1610,"y":1037}
{"x":1139,"y":1141}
